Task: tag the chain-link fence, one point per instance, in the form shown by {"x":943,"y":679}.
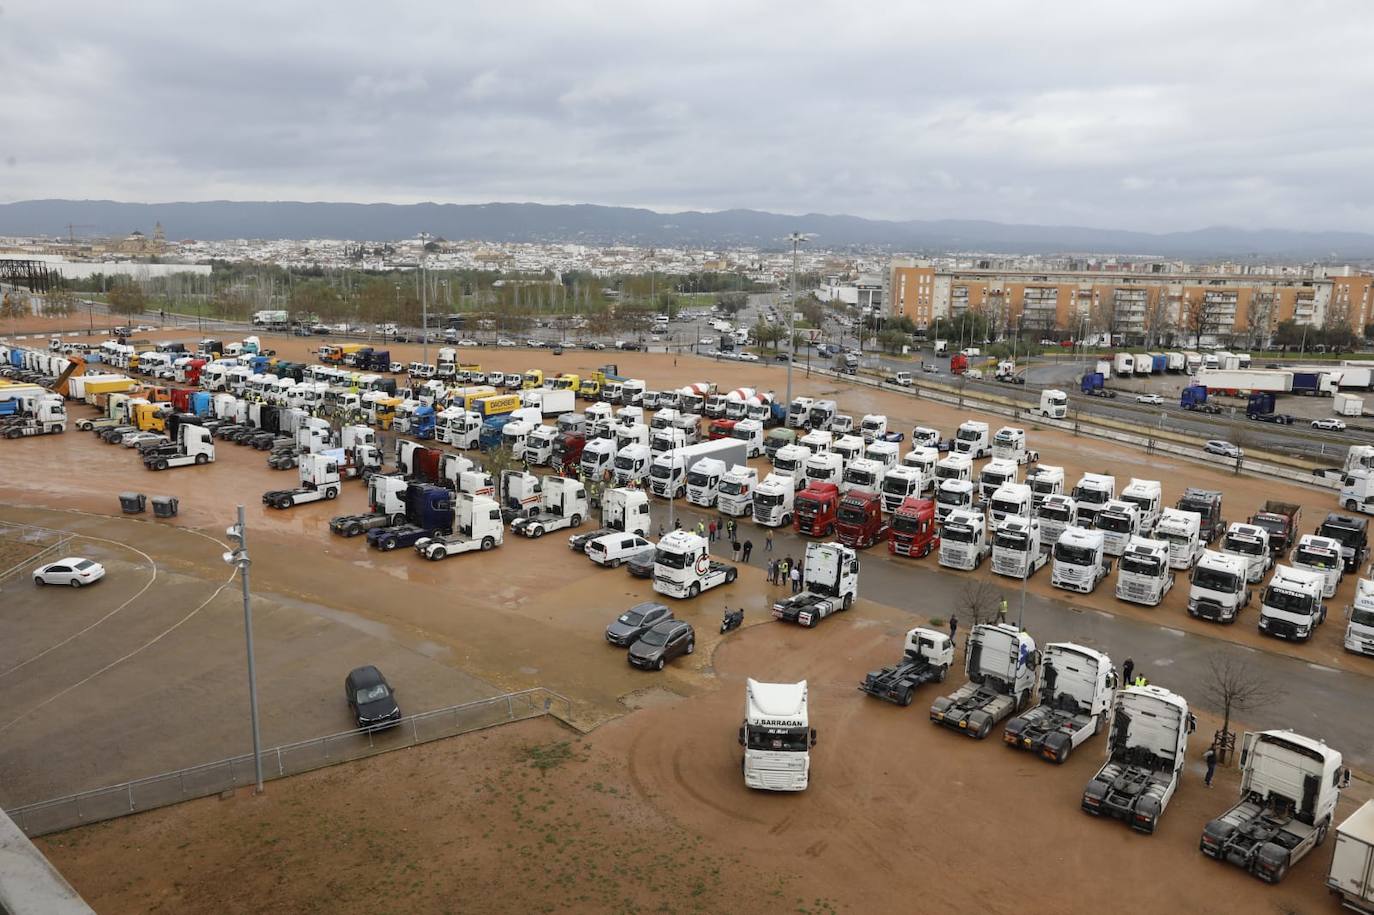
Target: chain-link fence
{"x":22,"y":545}
{"x":278,"y":762}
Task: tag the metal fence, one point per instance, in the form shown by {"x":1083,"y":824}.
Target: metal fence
{"x":29,"y":544}
{"x":278,"y":762}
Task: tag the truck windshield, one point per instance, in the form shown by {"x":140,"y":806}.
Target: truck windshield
{"x":789,"y":740}
{"x":658,"y":471}
{"x":1316,"y":559}
{"x":785,"y":465}
{"x":624,"y":463}
{"x":1140,"y":565}
{"x":862,"y":478}
{"x":767,"y":499}
{"x":1244,"y":546}
{"x":671,"y":559}
{"x":1054,"y":513}
{"x":1196,"y":505}
{"x":1003,"y":507}
{"x":1010,"y":541}
{"x":807,"y":507}
{"x":851,"y":515}
{"x":959,"y":533}
{"x":731,"y":487}
{"x":743,"y":435}
{"x":906,"y":524}
{"x":950,"y":497}
{"x":696,"y":478}
{"x":1277,"y":598}
{"x":968,"y":435}
{"x":946,"y":473}
{"x":1216,"y":580}
{"x":1042,"y":486}
{"x":897,"y":485}
{"x":992,"y":480}
{"x":1346,"y":536}
{"x":1140,"y":502}
{"x":1116,"y":523}
{"x":1091,"y":496}
{"x":1362,"y":617}
{"x":1073,"y":555}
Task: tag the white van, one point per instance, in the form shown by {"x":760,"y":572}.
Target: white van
{"x":611,"y":550}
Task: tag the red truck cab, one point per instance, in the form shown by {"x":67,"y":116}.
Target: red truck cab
{"x":913,"y":531}
{"x":720,"y":428}
{"x":181,"y":399}
{"x":859,"y":522}
{"x":958,"y":364}
{"x":816,"y":509}
{"x":567,"y":453}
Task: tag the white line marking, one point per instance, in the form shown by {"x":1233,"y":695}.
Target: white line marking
{"x":1174,"y":632}
{"x":1323,"y":668}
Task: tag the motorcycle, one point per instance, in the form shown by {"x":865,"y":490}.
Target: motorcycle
{"x":731,"y":619}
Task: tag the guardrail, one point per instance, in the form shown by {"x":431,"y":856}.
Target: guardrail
{"x":155,"y":791}
{"x":46,"y":541}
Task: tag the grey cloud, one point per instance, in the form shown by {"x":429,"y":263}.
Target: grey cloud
{"x":1170,"y":116}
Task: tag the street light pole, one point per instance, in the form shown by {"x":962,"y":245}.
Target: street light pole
{"x":239,"y":559}
{"x":796,"y":238}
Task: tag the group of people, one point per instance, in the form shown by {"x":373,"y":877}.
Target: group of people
{"x":713,"y":530}
{"x":787,"y":572}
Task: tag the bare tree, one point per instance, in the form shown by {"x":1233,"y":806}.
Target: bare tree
{"x":1259,"y":319}
{"x":978,"y":601}
{"x":1231,"y":684}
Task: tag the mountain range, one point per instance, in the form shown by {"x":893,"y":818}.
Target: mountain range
{"x":601,"y":225}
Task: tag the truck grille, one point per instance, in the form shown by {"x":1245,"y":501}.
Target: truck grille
{"x":1135,"y":590}
{"x":1004,"y":565}
{"x":1281,"y":628}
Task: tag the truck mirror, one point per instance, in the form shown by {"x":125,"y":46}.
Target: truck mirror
{"x":813,"y":737}
{"x":741,"y":735}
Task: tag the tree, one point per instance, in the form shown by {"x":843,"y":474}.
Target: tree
{"x":1201,"y":317}
{"x":731,"y":302}
{"x":1336,"y":332}
{"x":892,"y":340}
{"x":11,"y":308}
{"x":1259,"y":318}
{"x":768,"y":334}
{"x":59,"y":303}
{"x":127,"y":299}
{"x":978,"y":602}
{"x":1231,"y":684}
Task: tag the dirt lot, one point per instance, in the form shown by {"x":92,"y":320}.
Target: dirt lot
{"x":649,"y":813}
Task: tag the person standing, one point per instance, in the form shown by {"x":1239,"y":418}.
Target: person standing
{"x":953,"y":626}
{"x":1002,"y":611}
{"x":660,"y":530}
{"x":1210,"y":758}
{"x":734,"y":550}
{"x":701,"y":529}
{"x":712,"y":528}
{"x":796,"y":580}
{"x":748,"y":548}
{"x":772,"y":571}
{"x":1126,"y":670}
{"x":768,"y":541}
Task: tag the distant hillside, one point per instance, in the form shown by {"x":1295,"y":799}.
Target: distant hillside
{"x":526,"y":222}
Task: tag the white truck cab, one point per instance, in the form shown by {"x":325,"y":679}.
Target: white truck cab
{"x":1291,"y":604}
{"x":1010,"y":500}
{"x":926,"y":437}
{"x":1080,"y":560}
{"x":735,"y":496}
{"x":631,"y":464}
{"x":862,"y":474}
{"x":1216,"y":589}
{"x":773,"y":501}
{"x":923,"y":459}
{"x":1182,"y":530}
{"x":1323,"y":556}
{"x":900,"y":483}
{"x":1009,"y":444}
{"x":1119,"y":521}
{"x":683,"y":566}
{"x":598,"y":457}
{"x":873,"y":426}
{"x":951,"y":495}
{"x":1143,"y":575}
{"x":1359,"y":627}
{"x":953,"y":467}
{"x":1056,"y":513}
{"x":1045,"y":480}
{"x":790,"y":461}
{"x":1016,"y":548}
{"x":1053,"y":404}
{"x":972,"y":439}
{"x":817,"y":441}
{"x":798,"y":412}
{"x":1146,"y":751}
{"x":885,"y":453}
{"x":1251,"y":543}
{"x":1147,"y":495}
{"x":994,"y":475}
{"x":1091,"y":492}
{"x":848,"y":447}
{"x":963,"y":540}
{"x":1077,"y":688}
{"x":776,"y":736}
{"x":703,"y":481}
{"x":824,"y":467}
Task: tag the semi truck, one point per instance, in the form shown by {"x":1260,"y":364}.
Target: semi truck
{"x":1119,"y":521}
{"x":703,"y":482}
{"x":735,"y":496}
{"x":1090,"y":493}
{"x":45,"y":416}
{"x":1009,"y":444}
{"x":830,"y":582}
{"x":1143,"y":574}
{"x":1056,"y":514}
{"x":1148,"y":497}
{"x":776,"y":736}
{"x":626,"y":510}
{"x":913,"y":531}
{"x":386,"y":506}
{"x":1045,"y":480}
{"x":192,"y":444}
{"x":320,"y":480}
{"x":1207,"y":504}
{"x":1001,"y":663}
{"x":1250,"y":542}
{"x":1291,"y":604}
{"x":951,"y":495}
{"x":1054,"y":404}
{"x":1289,"y":788}
{"x":1351,"y":876}
{"x":683,"y":566}
{"x":1146,"y":750}
{"x":1016,"y":548}
{"x":1280,"y":522}
{"x":816,"y":508}
{"x":773,"y":500}
{"x":1216,"y":589}
{"x":1182,"y":530}
{"x":428,"y":513}
{"x":1353,"y":535}
{"x":669,"y":473}
{"x":927,"y":656}
{"x":995,"y":474}
{"x":1077,"y":686}
{"x":477,"y":527}
{"x":562,"y":504}
{"x":859,"y":522}
{"x":972,"y":439}
{"x":1359,"y":627}
{"x":1080,"y":560}
{"x":899,"y":484}
{"x":964,"y":540}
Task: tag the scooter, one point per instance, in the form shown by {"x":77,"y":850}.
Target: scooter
{"x":731,"y":619}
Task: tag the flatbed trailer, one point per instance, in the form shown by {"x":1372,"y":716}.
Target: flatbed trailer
{"x":926,"y":659}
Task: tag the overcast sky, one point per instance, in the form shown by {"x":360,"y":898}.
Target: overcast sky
{"x":1153,"y":116}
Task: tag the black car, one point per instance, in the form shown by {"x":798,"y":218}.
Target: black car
{"x":636,"y":621}
{"x":371,"y":699}
{"x":641,"y":565}
{"x":578,"y":542}
{"x":662,"y":643}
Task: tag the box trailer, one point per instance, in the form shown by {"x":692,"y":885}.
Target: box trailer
{"x":1275,"y":381}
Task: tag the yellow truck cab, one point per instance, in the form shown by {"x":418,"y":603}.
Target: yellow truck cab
{"x":151,"y":417}
{"x":386,"y":411}
{"x":567,"y":383}
{"x":330,"y":354}
{"x":534,"y":378}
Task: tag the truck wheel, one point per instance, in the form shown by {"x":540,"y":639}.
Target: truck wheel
{"x":907,"y":695}
{"x":536,"y":531}
{"x":576,"y":520}
{"x":847,"y":602}
{"x":1349,"y":503}
{"x":488,"y":543}
{"x":691,"y":646}
{"x":1321,"y":833}
{"x":693,"y":590}
{"x":352,"y":531}
{"x":331,"y":493}
{"x":984,"y":729}
{"x":202,"y":458}
{"x":12,"y":433}
{"x":730,"y":575}
{"x":786,"y":520}
{"x":437,"y":553}
{"x":1063,"y":755}
{"x":388,"y":545}
{"x":161,"y":464}
{"x":940,"y":677}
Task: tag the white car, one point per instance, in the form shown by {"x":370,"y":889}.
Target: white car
{"x":1225,"y":449}
{"x":748,"y":357}
{"x":1149,"y":398}
{"x":1329,"y":424}
{"x":467,"y":343}
{"x":504,"y":342}
{"x":706,"y":341}
{"x":398,"y":368}
{"x":611,"y":550}
{"x":73,"y":571}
